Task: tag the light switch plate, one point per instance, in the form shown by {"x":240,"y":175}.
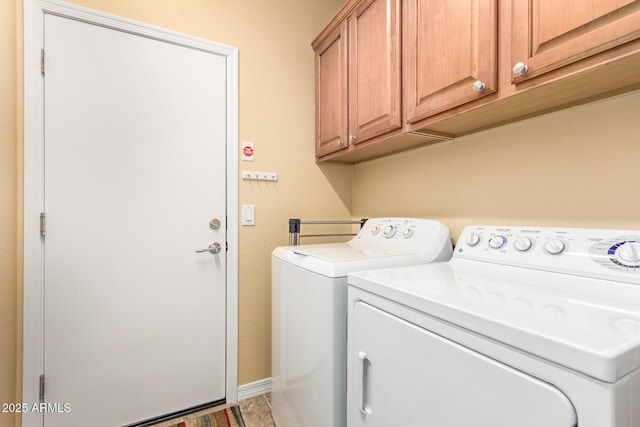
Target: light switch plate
{"x":248,"y":214}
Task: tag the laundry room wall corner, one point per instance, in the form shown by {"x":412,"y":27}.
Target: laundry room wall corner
{"x":282,"y":129}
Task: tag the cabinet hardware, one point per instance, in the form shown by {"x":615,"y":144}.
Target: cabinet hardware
{"x":520,"y":69}
{"x":479,"y":86}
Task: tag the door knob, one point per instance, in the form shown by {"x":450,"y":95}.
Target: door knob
{"x":213,"y":248}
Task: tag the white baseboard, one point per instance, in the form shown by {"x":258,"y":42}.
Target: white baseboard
{"x":257,"y":388}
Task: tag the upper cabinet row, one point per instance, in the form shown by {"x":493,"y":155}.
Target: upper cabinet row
{"x":394,"y":74}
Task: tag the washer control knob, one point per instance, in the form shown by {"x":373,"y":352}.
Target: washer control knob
{"x":408,"y":232}
{"x":473,"y":239}
{"x":523,"y":244}
{"x":629,"y":252}
{"x":390,"y":231}
{"x":496,"y":242}
{"x":375,"y":230}
{"x":554,"y":247}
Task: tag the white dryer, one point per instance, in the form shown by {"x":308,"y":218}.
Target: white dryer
{"x":309,"y":312}
{"x":525,"y":326}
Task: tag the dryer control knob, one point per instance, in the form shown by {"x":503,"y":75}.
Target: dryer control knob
{"x":496,"y":242}
{"x":523,"y":244}
{"x":473,"y":239}
{"x":408,"y":232}
{"x":390,"y":231}
{"x":555,"y":247}
{"x":629,"y":252}
{"x":375,"y":230}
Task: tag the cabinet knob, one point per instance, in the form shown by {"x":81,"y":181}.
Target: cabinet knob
{"x":479,"y":86}
{"x":352,"y":139}
{"x":520,"y":69}
{"x":340,"y":143}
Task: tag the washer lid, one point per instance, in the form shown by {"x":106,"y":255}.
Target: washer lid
{"x":340,"y":252}
{"x":339,"y":259}
{"x":588,"y":325}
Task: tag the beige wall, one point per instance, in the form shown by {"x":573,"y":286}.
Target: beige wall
{"x":276,"y":111}
{"x":8,"y":206}
{"x":577,"y":167}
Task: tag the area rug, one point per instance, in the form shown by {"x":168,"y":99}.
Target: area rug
{"x":228,"y":417}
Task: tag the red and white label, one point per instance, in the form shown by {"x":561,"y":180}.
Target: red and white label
{"x":247,"y":151}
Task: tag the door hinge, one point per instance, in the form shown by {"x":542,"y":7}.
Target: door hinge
{"x":42,"y":61}
{"x":41,"y":388}
{"x":43,"y":224}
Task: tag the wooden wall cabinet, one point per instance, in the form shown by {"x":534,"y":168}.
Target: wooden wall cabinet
{"x":549,"y":34}
{"x":374,"y":69}
{"x":450,"y":54}
{"x":552,"y":55}
{"x":332,"y":100}
{"x":358,"y":81}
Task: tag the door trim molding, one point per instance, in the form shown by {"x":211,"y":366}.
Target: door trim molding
{"x":32,"y":321}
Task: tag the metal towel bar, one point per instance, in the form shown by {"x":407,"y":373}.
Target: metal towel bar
{"x":295,"y":223}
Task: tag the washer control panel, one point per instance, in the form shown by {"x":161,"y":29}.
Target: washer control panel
{"x":394,"y":228}
{"x":420,"y":236}
{"x":599,"y":253}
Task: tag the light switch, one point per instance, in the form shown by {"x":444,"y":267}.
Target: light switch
{"x":248,"y":214}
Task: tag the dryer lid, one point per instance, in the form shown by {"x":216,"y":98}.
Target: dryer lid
{"x":588,"y":325}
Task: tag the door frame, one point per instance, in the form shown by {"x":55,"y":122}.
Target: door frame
{"x":33,"y":264}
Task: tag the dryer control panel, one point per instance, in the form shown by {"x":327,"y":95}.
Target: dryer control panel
{"x":598,"y":253}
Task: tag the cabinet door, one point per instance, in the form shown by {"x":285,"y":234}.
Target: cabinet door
{"x":448,"y":46}
{"x":548,"y":34}
{"x":374,"y":69}
{"x":402,"y":375}
{"x":331,"y":92}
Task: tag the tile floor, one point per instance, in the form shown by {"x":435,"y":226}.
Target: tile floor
{"x":256,"y":411}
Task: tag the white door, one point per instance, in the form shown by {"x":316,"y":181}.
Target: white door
{"x":403,"y":375}
{"x":134,"y":170}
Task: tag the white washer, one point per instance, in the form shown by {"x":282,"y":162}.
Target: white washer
{"x":525,"y":326}
{"x":309,"y":310}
